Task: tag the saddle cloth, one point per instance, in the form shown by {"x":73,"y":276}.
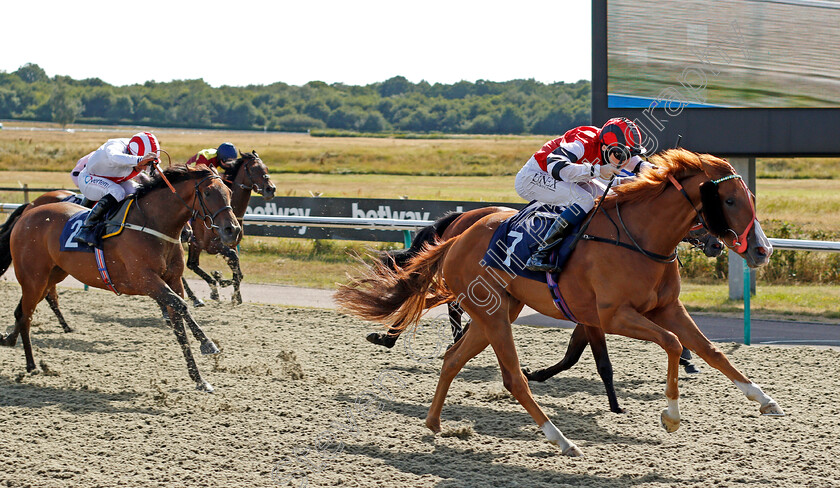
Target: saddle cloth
{"x":518,"y":237}
{"x":110,"y":227}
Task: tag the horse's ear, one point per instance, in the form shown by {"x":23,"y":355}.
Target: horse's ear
{"x":255,"y":154}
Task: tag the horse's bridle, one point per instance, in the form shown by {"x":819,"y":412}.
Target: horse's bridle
{"x":205,"y":212}
{"x":253,"y":186}
{"x":739,"y":241}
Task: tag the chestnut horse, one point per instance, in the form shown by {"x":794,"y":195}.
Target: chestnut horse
{"x":248,"y":173}
{"x":455,"y":223}
{"x":147,"y":261}
{"x":605,"y":285}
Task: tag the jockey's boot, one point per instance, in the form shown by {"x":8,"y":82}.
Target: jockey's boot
{"x":87,"y":234}
{"x":685,"y":362}
{"x":560,"y":228}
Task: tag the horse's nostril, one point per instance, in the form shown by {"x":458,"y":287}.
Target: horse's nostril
{"x":761,"y":251}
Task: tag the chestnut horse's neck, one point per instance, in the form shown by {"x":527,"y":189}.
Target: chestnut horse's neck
{"x":658,"y":225}
{"x":164,"y":211}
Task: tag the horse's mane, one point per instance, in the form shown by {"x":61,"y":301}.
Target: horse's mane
{"x":233,"y":169}
{"x":175,"y":174}
{"x":677,"y":162}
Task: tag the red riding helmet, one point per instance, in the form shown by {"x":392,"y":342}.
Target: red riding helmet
{"x":143,"y":143}
{"x":622,"y":138}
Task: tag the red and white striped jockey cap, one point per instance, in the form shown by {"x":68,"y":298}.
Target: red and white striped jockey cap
{"x":143,"y":143}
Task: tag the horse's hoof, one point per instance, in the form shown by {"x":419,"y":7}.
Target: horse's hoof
{"x":208,"y":348}
{"x":533,"y":375}
{"x":236,"y":299}
{"x":772,"y":409}
{"x":670,"y":425}
{"x":433,"y":424}
{"x":205,"y":387}
{"x":573,"y":451}
{"x":214,"y":295}
{"x":617,"y":410}
{"x":381,"y":339}
{"x":198,"y":303}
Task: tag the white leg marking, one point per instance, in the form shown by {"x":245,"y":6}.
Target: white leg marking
{"x":557,"y":438}
{"x":754,"y":393}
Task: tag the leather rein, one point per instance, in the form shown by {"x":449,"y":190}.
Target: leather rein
{"x":739,"y":242}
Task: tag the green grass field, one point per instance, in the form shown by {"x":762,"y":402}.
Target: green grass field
{"x":475,"y":169}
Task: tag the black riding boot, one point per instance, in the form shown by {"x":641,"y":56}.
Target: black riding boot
{"x":87,"y":234}
{"x":685,"y":362}
{"x":560,"y":228}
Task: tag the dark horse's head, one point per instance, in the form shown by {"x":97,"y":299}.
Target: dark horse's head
{"x":251,"y":172}
{"x":202,"y":191}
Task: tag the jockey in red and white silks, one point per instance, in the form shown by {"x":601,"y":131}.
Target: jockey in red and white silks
{"x":565,"y":170}
{"x":106,"y":177}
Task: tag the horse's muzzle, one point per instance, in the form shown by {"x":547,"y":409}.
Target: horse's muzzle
{"x":230,"y":233}
{"x":269,"y":192}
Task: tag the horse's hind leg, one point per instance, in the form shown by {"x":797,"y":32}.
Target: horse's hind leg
{"x":52,"y":299}
{"x":500,"y":335}
{"x":598,"y":344}
{"x":677,"y":319}
{"x":472,"y":343}
{"x":232,"y":258}
{"x":577,"y":344}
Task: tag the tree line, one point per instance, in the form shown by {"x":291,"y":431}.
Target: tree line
{"x":394,"y":105}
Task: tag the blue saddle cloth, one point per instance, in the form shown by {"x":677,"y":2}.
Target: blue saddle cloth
{"x":518,"y":237}
{"x":71,"y":228}
{"x":111,"y":223}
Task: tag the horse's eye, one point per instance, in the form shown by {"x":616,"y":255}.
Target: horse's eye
{"x":730,"y":201}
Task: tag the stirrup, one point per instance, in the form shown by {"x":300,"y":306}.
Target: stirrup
{"x":538,"y":264}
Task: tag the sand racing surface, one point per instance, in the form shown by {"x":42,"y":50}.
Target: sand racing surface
{"x":303,"y":400}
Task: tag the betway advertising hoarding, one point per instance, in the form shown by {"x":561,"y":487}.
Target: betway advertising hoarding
{"x":362,"y":208}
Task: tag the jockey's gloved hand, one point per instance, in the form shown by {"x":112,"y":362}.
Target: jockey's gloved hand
{"x":608,"y":171}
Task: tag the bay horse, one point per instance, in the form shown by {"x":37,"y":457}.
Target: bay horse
{"x":6,"y":259}
{"x":248,"y":173}
{"x":146,"y":261}
{"x":604,"y":286}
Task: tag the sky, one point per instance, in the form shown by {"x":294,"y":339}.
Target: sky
{"x":242,"y":42}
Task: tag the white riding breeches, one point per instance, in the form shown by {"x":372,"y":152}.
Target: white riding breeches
{"x":95,"y":187}
{"x":532,"y":183}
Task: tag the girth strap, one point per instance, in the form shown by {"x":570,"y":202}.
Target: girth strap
{"x":103,"y":270}
{"x":559,"y":301}
{"x":159,"y":235}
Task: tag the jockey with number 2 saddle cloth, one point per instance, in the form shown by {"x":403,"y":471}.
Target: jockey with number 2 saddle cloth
{"x":564,"y":171}
{"x":106,"y":175}
{"x":215,"y":158}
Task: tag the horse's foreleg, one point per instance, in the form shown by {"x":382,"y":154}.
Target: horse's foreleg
{"x":177,"y":312}
{"x":677,"y":319}
{"x":232,"y":258}
{"x":52,"y":299}
{"x":628,"y":322}
{"x":577,"y":344}
{"x":207,"y":346}
{"x":472,"y":343}
{"x":598,"y":344}
{"x":192,"y":264}
{"x":195,"y":300}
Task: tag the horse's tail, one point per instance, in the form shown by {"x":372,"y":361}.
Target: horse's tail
{"x":398,"y":258}
{"x":398,"y":297}
{"x":5,"y":235}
